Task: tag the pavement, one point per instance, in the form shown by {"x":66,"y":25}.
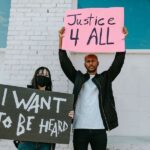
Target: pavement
{"x":114,"y":143}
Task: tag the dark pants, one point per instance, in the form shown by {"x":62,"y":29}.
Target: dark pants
{"x":96,"y":137}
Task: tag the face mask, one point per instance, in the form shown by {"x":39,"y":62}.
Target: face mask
{"x":42,"y":81}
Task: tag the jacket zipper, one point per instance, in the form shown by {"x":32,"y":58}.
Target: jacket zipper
{"x":103,"y":111}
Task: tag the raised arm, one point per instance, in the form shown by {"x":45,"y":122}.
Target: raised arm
{"x":65,"y":62}
{"x":116,"y":66}
{"x":118,"y":62}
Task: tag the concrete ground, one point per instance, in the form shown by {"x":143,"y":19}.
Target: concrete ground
{"x":114,"y":143}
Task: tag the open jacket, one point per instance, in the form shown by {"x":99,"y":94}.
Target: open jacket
{"x":103,"y":82}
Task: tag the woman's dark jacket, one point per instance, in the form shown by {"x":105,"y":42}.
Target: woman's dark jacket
{"x":103,"y":82}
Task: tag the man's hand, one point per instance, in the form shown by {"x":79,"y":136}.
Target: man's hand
{"x":61,"y":32}
{"x":125,"y":31}
{"x":61,"y":35}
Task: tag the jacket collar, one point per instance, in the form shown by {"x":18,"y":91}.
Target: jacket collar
{"x":86,"y":76}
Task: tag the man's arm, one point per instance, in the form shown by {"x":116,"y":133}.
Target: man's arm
{"x":65,"y":62}
{"x":116,"y":66}
{"x":118,"y":62}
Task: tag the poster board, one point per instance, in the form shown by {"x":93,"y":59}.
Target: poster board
{"x":34,"y":115}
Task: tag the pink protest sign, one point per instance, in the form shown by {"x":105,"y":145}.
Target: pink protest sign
{"x":94,"y":30}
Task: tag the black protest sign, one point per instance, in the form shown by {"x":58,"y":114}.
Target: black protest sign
{"x":33,"y":115}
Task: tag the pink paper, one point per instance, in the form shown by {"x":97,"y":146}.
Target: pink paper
{"x":94,"y":30}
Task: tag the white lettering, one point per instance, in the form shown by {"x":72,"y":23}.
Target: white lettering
{"x":2,"y":114}
{"x":22,"y":102}
{"x":34,"y":104}
{"x":58,"y":102}
{"x":42,"y":125}
{"x":55,"y":127}
{"x":20,"y":127}
{"x":29,"y":123}
{"x":4,"y":97}
{"x":24,"y":124}
{"x":46,"y":103}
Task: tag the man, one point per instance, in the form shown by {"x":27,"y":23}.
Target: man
{"x":93,"y":98}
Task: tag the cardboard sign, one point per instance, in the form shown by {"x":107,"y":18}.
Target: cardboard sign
{"x":33,"y":115}
{"x":94,"y":30}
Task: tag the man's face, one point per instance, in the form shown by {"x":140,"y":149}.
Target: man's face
{"x":91,"y":63}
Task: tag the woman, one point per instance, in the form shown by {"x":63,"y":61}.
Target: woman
{"x":42,"y":81}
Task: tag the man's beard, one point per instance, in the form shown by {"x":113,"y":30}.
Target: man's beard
{"x":92,"y":71}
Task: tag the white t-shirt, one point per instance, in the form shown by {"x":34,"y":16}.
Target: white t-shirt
{"x":87,"y":112}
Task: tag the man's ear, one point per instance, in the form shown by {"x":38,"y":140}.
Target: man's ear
{"x":97,"y":63}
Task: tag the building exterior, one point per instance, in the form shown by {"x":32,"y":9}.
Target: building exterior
{"x":33,"y":41}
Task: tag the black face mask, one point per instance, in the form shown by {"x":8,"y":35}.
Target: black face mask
{"x":42,"y":81}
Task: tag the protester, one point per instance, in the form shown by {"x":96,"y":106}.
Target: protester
{"x":94,"y":104}
{"x":42,"y":81}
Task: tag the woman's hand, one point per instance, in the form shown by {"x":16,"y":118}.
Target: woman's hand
{"x":71,"y":114}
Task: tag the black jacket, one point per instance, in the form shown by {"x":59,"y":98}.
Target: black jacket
{"x":103,"y":82}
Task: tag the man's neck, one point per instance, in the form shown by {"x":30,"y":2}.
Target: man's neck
{"x":92,"y":73}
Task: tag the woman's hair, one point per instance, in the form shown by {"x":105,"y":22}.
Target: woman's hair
{"x":34,"y":81}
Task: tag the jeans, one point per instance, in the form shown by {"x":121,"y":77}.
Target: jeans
{"x":97,"y":138}
{"x":34,"y":146}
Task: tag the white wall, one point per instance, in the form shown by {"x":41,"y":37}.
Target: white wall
{"x":33,"y":42}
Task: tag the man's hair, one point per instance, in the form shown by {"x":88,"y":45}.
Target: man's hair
{"x":91,"y":55}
